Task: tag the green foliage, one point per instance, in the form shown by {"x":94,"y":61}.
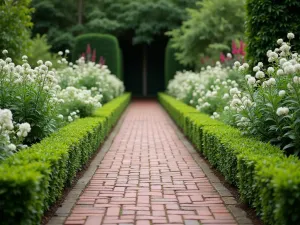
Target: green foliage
{"x":58,"y":20}
{"x":26,"y":94}
{"x":266,"y":178}
{"x":209,"y":30}
{"x":266,"y":22}
{"x":40,"y":50}
{"x":15,"y":22}
{"x":38,"y":175}
{"x":106,"y":46}
{"x":171,"y":64}
{"x":140,"y":20}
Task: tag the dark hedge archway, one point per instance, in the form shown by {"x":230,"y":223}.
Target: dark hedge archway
{"x":144,"y":61}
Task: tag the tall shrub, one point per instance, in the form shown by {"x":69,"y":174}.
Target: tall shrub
{"x":171,"y":64}
{"x":266,"y":21}
{"x":15,"y":24}
{"x":105,"y":45}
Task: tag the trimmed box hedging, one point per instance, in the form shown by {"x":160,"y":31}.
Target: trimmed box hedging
{"x":268,"y":21}
{"x":267,"y":179}
{"x":106,"y":45}
{"x":171,"y":64}
{"x":33,"y":179}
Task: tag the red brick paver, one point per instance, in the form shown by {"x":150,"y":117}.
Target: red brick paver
{"x":149,"y":177}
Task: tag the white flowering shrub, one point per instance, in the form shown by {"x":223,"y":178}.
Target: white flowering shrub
{"x":78,"y":102}
{"x":269,"y":105}
{"x":91,"y":76}
{"x":207,"y":90}
{"x":30,"y":94}
{"x":11,"y":134}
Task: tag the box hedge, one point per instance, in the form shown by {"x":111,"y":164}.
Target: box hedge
{"x":106,"y":46}
{"x":266,"y":178}
{"x":33,"y":179}
{"x":267,"y":21}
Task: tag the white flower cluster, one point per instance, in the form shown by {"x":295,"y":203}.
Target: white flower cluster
{"x":189,"y":83}
{"x":72,"y":94}
{"x":11,"y":134}
{"x":88,"y":75}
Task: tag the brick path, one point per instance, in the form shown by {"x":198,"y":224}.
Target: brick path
{"x":149,"y":177}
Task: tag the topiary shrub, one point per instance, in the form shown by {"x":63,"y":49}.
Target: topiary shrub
{"x":171,"y":64}
{"x":105,"y":45}
{"x":268,"y":20}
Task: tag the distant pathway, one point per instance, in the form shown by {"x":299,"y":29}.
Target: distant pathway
{"x":148,"y":176}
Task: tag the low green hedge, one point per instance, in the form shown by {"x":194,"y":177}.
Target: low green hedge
{"x":266,"y":178}
{"x":33,"y":179}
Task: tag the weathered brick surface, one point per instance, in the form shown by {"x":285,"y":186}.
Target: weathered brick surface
{"x":149,"y":177}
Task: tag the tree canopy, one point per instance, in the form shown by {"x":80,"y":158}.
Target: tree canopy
{"x":15,"y":24}
{"x":210,"y":28}
{"x":140,"y":20}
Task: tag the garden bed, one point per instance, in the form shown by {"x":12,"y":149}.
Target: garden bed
{"x":267,"y":180}
{"x":33,"y":179}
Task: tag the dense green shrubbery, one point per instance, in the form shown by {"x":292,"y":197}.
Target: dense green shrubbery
{"x":204,"y":34}
{"x":171,"y":64}
{"x":266,"y":21}
{"x":15,"y":23}
{"x":266,"y":178}
{"x":33,"y":179}
{"x":105,"y":45}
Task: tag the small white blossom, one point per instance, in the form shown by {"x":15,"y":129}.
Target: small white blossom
{"x":281,"y":93}
{"x":271,"y":70}
{"x":290,"y":36}
{"x":256,"y":68}
{"x":260,"y":75}
{"x":48,"y":63}
{"x":280,"y":41}
{"x":4,"y":52}
{"x":281,"y":111}
{"x":251,"y":80}
{"x":280,"y":72}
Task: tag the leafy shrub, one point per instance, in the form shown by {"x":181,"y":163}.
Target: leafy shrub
{"x":266,"y":21}
{"x":206,"y":35}
{"x":269,"y":106}
{"x":207,"y":90}
{"x":79,"y":102}
{"x":30,"y":94}
{"x":105,"y":45}
{"x":40,"y":50}
{"x":91,"y":76}
{"x":38,"y":174}
{"x":171,"y":64}
{"x":11,"y":134}
{"x":15,"y":22}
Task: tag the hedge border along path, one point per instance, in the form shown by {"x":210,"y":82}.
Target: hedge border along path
{"x":33,"y":179}
{"x":267,"y":180}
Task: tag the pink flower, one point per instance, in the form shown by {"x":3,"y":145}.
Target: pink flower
{"x":88,"y":49}
{"x":102,"y":61}
{"x":94,"y":56}
{"x":222,"y":57}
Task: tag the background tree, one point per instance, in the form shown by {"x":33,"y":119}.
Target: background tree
{"x":15,"y":24}
{"x":266,"y":22}
{"x":140,"y":20}
{"x":209,"y":30}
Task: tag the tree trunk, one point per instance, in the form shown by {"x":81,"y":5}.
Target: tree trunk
{"x":80,"y":11}
{"x":145,"y":70}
